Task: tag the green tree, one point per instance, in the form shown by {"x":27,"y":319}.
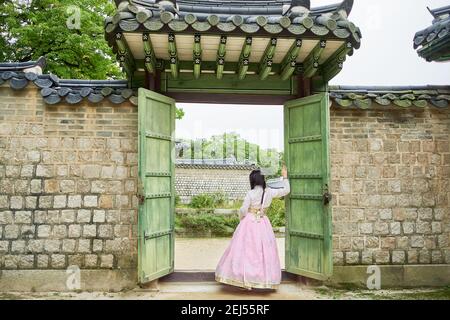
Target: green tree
{"x":179,"y":113}
{"x":213,"y":148}
{"x":30,"y":29}
{"x":34,"y":28}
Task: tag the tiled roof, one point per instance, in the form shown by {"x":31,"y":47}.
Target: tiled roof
{"x":55,"y":90}
{"x":270,"y":17}
{"x":403,"y":97}
{"x":433,"y":43}
{"x":215,"y":166}
{"x":227,"y":163}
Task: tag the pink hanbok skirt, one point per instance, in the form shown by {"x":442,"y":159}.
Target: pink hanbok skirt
{"x":251,"y":260}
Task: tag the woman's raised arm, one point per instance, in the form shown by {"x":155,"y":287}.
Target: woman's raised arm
{"x":278,"y":193}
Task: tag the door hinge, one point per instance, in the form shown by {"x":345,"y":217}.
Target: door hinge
{"x":140,"y":192}
{"x":326,"y":195}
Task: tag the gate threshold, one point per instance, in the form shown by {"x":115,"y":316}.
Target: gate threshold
{"x":208,"y":276}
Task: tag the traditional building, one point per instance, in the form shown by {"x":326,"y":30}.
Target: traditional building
{"x":87,"y":177}
{"x":433,"y":43}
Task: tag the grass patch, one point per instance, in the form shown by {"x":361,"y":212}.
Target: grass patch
{"x":412,"y":294}
{"x":204,"y":222}
{"x":432,"y":294}
{"x":277,"y":213}
{"x":11,"y":296}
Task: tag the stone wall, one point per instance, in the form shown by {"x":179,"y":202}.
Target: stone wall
{"x":190,"y":180}
{"x":67,"y":183}
{"x":390,"y":172}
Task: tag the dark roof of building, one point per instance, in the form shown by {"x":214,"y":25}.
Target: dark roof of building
{"x":219,"y":166}
{"x":23,"y":66}
{"x":272,"y":17}
{"x":433,"y":43}
{"x":55,"y":90}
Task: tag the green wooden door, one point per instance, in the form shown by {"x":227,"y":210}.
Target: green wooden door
{"x":156,"y":185}
{"x":308,"y":229}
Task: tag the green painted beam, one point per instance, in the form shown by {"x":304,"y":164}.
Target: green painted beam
{"x":173,"y":56}
{"x":208,"y":83}
{"x":244,"y":58}
{"x":221,"y":57}
{"x":197,"y":56}
{"x":335,"y":63}
{"x":311,"y":63}
{"x":211,"y":66}
{"x":150,"y":57}
{"x":125,"y":56}
{"x":266,"y":61}
{"x":289,"y":61}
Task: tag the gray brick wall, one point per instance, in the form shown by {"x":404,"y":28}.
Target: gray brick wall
{"x":234,"y":183}
{"x":391,"y":186}
{"x":68,"y":185}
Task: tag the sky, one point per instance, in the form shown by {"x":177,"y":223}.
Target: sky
{"x":386,"y":57}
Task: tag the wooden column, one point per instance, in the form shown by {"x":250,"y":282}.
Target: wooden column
{"x":304,"y":87}
{"x":153,"y":81}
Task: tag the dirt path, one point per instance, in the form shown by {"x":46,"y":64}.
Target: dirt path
{"x":205,"y":253}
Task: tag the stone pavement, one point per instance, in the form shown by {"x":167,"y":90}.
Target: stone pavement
{"x":211,"y":291}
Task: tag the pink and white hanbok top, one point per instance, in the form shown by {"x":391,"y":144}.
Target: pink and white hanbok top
{"x":253,"y":197}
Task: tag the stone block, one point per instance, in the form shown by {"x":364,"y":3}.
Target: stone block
{"x":91,"y":171}
{"x":58,"y":261}
{"x":74,"y":201}
{"x":90,"y":231}
{"x":382,"y":257}
{"x":51,"y":245}
{"x":18,"y":246}
{"x":36,"y":186}
{"x":417,"y":241}
{"x":84,"y":246}
{"x":90,"y":260}
{"x":11,"y":231}
{"x":69,"y":245}
{"x":16,"y":202}
{"x":106,"y":261}
{"x":84,"y":216}
{"x":67,"y":216}
{"x":23,"y":217}
{"x":6,"y":217}
{"x":338,"y":258}
{"x":44,"y":231}
{"x":90,"y":201}
{"x":60,"y":201}
{"x":74,"y":231}
{"x":45,"y":202}
{"x":35,"y":246}
{"x":42,"y":261}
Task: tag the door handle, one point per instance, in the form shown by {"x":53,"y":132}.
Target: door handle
{"x":327,"y":197}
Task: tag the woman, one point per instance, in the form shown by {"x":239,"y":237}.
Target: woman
{"x":251,"y":260}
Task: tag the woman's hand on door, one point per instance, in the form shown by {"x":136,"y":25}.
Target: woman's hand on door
{"x":284,"y":172}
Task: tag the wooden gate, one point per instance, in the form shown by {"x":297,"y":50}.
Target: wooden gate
{"x":156,"y":185}
{"x":308,"y":234}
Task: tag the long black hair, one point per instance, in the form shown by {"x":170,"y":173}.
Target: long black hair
{"x":257,"y":179}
